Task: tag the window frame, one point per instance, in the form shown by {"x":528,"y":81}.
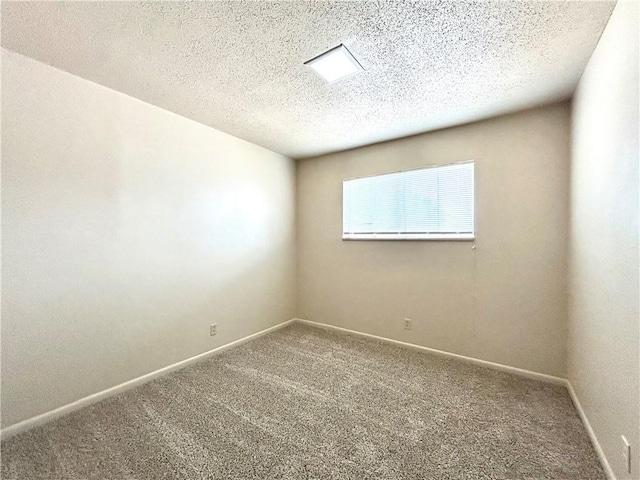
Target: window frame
{"x":413,"y":237}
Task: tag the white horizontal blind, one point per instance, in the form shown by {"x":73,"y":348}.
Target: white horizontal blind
{"x":426,"y":203}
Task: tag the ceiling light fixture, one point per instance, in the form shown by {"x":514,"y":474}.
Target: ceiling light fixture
{"x":335,"y":64}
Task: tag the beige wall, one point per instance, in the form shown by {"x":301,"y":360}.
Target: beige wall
{"x":604,"y":325}
{"x":505,"y":301}
{"x":127,"y":230}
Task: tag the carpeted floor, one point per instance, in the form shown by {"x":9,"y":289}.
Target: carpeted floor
{"x":305,"y":403}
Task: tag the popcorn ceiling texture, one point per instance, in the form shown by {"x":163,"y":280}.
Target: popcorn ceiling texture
{"x":304,"y":403}
{"x":238,"y":66}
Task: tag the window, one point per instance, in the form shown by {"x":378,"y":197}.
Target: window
{"x":422,"y":204}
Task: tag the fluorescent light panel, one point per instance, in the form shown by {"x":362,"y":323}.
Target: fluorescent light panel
{"x":336,"y":64}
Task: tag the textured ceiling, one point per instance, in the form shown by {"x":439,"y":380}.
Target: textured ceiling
{"x":238,"y":66}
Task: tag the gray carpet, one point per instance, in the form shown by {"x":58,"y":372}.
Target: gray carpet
{"x":305,"y":403}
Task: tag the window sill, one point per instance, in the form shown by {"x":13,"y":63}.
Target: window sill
{"x":453,"y":237}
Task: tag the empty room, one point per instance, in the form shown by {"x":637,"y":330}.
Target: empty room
{"x":320,"y":240}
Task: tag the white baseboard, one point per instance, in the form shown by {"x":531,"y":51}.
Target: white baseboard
{"x":592,"y":435}
{"x":484,"y":363}
{"x":495,"y":366}
{"x":110,"y":392}
{"x":47,"y":417}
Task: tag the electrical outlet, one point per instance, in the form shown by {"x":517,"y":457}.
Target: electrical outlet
{"x":626,"y":453}
{"x":213,"y":329}
{"x":407,"y":324}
